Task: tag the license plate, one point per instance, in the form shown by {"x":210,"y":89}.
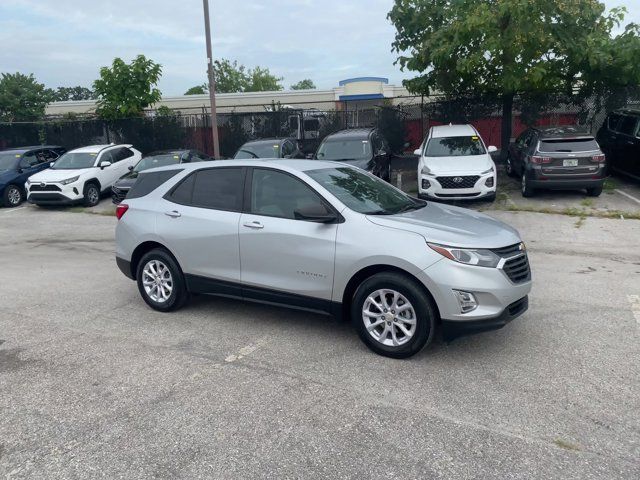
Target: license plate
{"x":570,"y":163}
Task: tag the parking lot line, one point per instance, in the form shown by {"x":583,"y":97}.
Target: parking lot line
{"x":634,"y":300}
{"x":9,"y":210}
{"x":630,"y":197}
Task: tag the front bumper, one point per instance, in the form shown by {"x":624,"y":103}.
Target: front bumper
{"x":453,"y":329}
{"x":55,"y":194}
{"x":118,"y":194}
{"x":430,"y":188}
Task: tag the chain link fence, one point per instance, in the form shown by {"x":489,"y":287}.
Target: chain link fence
{"x":404,"y":122}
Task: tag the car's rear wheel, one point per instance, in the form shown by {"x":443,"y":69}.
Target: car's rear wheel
{"x":595,"y":191}
{"x":160,"y":281}
{"x":525,"y":186}
{"x":393,"y":316}
{"x":91,"y":195}
{"x":12,"y":196}
{"x":509,"y":167}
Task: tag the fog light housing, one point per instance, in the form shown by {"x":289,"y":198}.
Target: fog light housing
{"x":489,"y":182}
{"x":467,"y":301}
{"x":425,"y":184}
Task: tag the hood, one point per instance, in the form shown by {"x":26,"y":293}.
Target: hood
{"x":452,"y":226}
{"x":126,"y":181}
{"x":51,"y":175}
{"x":469,"y":164}
{"x":7,"y":175}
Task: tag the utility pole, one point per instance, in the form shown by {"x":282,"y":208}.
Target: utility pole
{"x":212,"y":82}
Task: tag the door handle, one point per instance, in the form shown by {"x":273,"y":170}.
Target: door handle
{"x":256,"y":225}
{"x":172,"y":214}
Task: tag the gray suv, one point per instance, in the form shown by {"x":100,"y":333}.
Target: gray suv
{"x":323,"y":237}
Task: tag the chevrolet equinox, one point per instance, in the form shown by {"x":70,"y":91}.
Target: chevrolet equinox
{"x":324,"y":237}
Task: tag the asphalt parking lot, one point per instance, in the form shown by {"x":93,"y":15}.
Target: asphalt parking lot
{"x":95,"y":384}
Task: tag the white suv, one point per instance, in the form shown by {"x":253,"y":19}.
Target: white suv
{"x":81,"y":175}
{"x":455,"y":165}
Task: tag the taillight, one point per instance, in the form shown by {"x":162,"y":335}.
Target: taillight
{"x":540,"y":160}
{"x":121,"y":210}
{"x":598,"y":158}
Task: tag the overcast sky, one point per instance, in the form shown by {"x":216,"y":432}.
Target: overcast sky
{"x":65,"y":42}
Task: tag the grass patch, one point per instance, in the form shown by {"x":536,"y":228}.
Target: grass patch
{"x":587,"y":202}
{"x":609,"y":185}
{"x":580,"y":222}
{"x":566,"y":445}
{"x":570,"y":211}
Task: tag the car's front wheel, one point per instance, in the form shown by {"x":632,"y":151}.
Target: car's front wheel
{"x":91,"y":195}
{"x":160,"y":281}
{"x":392,"y":314}
{"x":12,"y":196}
{"x":509,"y":167}
{"x":525,"y":186}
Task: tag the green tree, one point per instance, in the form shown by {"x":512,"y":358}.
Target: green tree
{"x":63,"y":94}
{"x":125,"y":90}
{"x":231,"y":77}
{"x":198,"y":90}
{"x":22,"y":98}
{"x":503,"y":48}
{"x":306,"y":84}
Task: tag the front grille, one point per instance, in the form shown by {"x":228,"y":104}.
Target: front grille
{"x":36,"y":187}
{"x":518,"y":306}
{"x":507,"y":251}
{"x":448,"y":195}
{"x":517,"y":269}
{"x":466,"y":181}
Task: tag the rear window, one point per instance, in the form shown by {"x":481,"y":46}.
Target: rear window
{"x":148,"y":182}
{"x":569,"y":145}
{"x":216,"y":188}
{"x":454,"y":147}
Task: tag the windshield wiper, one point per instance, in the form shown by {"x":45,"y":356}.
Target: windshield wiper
{"x":380,"y":212}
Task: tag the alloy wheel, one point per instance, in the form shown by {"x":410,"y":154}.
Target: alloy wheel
{"x":389,"y":317}
{"x":93,"y":195}
{"x":14,"y":196}
{"x":157,"y":281}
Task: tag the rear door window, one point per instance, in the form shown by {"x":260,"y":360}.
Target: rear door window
{"x":148,"y":182}
{"x":218,"y":188}
{"x":614,"y":121}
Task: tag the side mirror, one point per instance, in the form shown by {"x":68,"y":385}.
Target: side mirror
{"x":491,"y":149}
{"x":20,"y":170}
{"x":417,"y":151}
{"x":315,"y":213}
{"x":309,"y":156}
{"x":51,"y":164}
{"x":130,"y":168}
{"x":104,"y":164}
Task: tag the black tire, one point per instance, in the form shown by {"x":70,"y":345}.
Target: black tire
{"x":509,"y":168}
{"x":179,"y":294}
{"x":91,"y":194}
{"x":595,"y":191}
{"x":13,"y":196}
{"x":525,"y":187}
{"x":425,"y":313}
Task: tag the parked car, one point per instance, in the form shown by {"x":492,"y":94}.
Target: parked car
{"x":81,"y":175}
{"x":269,"y":148}
{"x":557,"y":158}
{"x":122,"y":186}
{"x":455,"y":164}
{"x":324,"y":237}
{"x":18,"y":164}
{"x":365,"y":148}
{"x":619,"y":138}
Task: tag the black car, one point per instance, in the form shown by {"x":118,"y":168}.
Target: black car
{"x":18,"y":164}
{"x":156,"y":159}
{"x":365,"y":148}
{"x":557,"y":158}
{"x":619,"y":138}
{"x":269,"y":148}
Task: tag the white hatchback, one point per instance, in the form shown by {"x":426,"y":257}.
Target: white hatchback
{"x":455,"y":164}
{"x":81,"y":175}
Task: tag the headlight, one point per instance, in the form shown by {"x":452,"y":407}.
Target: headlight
{"x":468,"y":256}
{"x":487,"y":171}
{"x":69,"y":180}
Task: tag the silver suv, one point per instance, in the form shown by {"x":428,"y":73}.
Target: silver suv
{"x":323,"y":237}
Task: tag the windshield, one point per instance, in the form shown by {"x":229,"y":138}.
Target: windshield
{"x":569,"y":145}
{"x":259,"y":150}
{"x":352,"y":149}
{"x":363,"y":192}
{"x":156,"y":161}
{"x":75,"y":161}
{"x":8,"y":161}
{"x":454,"y":147}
